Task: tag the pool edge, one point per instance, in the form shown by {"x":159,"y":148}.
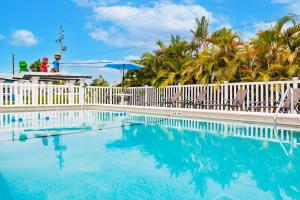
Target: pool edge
{"x":267,"y":118}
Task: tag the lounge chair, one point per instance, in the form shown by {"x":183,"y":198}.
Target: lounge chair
{"x":134,"y":100}
{"x":199,"y":101}
{"x":236,"y":103}
{"x":286,"y":106}
{"x":128,"y":100}
{"x":167,"y":101}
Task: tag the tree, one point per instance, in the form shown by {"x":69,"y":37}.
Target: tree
{"x":175,"y":57}
{"x":200,"y":34}
{"x":274,"y":54}
{"x":100,"y":81}
{"x":35,"y":67}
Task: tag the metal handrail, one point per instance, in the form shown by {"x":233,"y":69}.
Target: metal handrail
{"x":281,"y":103}
{"x":280,"y":142}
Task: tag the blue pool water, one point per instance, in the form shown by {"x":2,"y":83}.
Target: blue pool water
{"x":104,"y":155}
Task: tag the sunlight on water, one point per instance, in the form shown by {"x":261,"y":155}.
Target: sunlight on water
{"x":105,"y":155}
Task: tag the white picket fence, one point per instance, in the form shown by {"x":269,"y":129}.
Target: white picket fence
{"x":16,"y":94}
{"x":268,"y":93}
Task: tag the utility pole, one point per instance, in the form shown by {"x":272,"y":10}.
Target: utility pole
{"x":62,"y":48}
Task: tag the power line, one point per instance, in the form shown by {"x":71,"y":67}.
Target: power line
{"x":90,"y":67}
{"x":136,"y":14}
{"x":82,"y":63}
{"x":113,"y":50}
{"x":151,"y":43}
{"x":131,"y":47}
{"x":125,"y":48}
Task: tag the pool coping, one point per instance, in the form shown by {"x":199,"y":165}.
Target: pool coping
{"x":266,"y":118}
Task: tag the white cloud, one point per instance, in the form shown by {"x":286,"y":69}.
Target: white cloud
{"x":292,"y":5}
{"x":114,"y":37}
{"x":251,"y":31}
{"x":131,"y":57}
{"x":132,"y":25}
{"x":23,"y":38}
{"x":99,"y":34}
{"x":260,"y":26}
{"x":246,"y":35}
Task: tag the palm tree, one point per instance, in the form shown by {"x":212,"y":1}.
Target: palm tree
{"x":174,"y":58}
{"x":100,"y":81}
{"x":226,"y":46}
{"x":200,"y":69}
{"x":213,"y":58}
{"x":200,"y":34}
{"x":288,"y":36}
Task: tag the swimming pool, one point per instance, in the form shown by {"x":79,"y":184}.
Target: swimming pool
{"x":111,"y":155}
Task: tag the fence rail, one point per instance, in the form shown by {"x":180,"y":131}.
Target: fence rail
{"x":270,"y":93}
{"x":14,"y":94}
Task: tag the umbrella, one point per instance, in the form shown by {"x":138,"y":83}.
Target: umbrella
{"x":124,"y":66}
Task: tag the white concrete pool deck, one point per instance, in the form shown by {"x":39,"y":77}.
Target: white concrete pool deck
{"x":283,"y":119}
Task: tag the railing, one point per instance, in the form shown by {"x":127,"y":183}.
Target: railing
{"x":15,"y":94}
{"x":267,"y":93}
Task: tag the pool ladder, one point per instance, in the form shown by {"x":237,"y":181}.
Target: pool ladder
{"x":290,"y":89}
{"x":275,"y":130}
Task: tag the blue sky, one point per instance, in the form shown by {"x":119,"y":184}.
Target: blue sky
{"x":115,"y":30}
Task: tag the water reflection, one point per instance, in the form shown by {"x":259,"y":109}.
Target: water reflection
{"x":222,"y":152}
{"x":59,"y":147}
{"x":215,"y":151}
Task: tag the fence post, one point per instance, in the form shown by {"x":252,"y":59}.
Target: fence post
{"x":180,"y":95}
{"x":34,"y":89}
{"x":110,"y":95}
{"x":146,"y":95}
{"x":16,"y":93}
{"x":50,"y":93}
{"x":295,"y":82}
{"x":71,"y":92}
{"x":81,"y":91}
{"x":225,"y":93}
{"x":295,"y":85}
{"x":21,"y":94}
{"x":1,"y":92}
